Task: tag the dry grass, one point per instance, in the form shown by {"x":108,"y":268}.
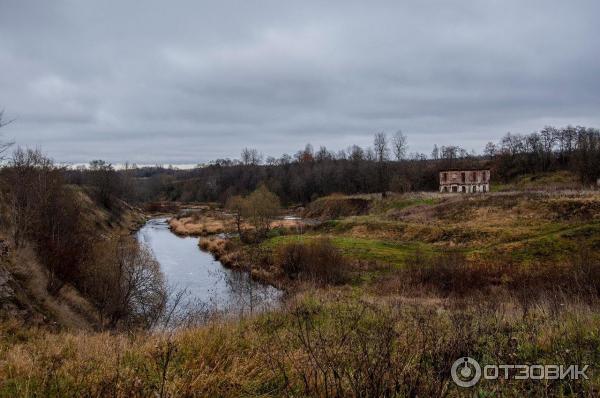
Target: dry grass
{"x":67,"y":308}
{"x":473,"y":222}
{"x":217,"y":246}
{"x":205,"y":225}
{"x":218,"y":222}
{"x":211,"y":361}
{"x":330,"y":344}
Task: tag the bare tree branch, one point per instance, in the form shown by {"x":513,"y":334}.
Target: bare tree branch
{"x":4,"y":145}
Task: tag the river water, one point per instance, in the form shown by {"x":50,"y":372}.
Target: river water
{"x":206,"y":281}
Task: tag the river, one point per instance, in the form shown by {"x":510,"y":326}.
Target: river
{"x":206,"y":281}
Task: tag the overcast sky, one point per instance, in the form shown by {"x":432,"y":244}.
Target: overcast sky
{"x":191,"y":81}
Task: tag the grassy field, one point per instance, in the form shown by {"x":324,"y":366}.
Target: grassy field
{"x":517,"y":227}
{"x":506,"y":278}
{"x":560,"y":180}
{"x":390,"y":252}
{"x":327,"y":344}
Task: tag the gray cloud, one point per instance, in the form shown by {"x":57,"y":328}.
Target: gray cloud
{"x":189,"y":82}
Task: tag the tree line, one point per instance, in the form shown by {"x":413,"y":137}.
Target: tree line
{"x":569,"y":148}
{"x":385,"y":166}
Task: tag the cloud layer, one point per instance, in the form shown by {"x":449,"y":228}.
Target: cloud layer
{"x":190,"y":81}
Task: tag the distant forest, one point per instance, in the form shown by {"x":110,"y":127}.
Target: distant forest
{"x":386,"y":166}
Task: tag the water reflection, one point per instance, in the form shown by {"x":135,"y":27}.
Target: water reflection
{"x":208,"y":286}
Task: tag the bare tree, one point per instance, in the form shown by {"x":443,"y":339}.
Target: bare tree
{"x":29,"y":178}
{"x":2,"y":121}
{"x":356,"y":153}
{"x":435,"y":153}
{"x":307,"y":155}
{"x":126,"y":283}
{"x":260,"y":208}
{"x":43,"y":212}
{"x":380,"y":147}
{"x":490,"y":150}
{"x":236,"y":204}
{"x":105,"y":179}
{"x":250,"y":156}
{"x":399,"y":145}
{"x":548,"y":137}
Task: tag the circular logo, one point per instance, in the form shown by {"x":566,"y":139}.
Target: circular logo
{"x":466,"y":372}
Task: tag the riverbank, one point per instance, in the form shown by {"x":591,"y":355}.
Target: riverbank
{"x":218,"y":235}
{"x":208,"y":283}
{"x":206,"y":220}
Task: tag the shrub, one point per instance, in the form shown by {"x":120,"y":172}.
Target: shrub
{"x":274,"y":232}
{"x":126,"y":284}
{"x":451,"y":274}
{"x":447,"y":273}
{"x":337,"y":206}
{"x":318,"y":260}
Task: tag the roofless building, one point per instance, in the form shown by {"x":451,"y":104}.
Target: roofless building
{"x":466,"y":181}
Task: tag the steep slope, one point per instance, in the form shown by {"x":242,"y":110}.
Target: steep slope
{"x":24,"y":281}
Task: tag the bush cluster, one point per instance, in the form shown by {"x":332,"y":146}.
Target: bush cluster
{"x":317,"y":260}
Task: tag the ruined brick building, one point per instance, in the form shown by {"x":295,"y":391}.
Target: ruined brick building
{"x":465,"y":181}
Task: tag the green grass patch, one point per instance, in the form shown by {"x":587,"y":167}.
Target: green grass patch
{"x":402,"y":203}
{"x":539,"y":181}
{"x":371,"y":222}
{"x":394,"y":253}
{"x":551,"y":247}
{"x":585,"y":235}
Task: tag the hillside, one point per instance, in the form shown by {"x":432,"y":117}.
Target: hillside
{"x":24,"y":280}
{"x":381,"y":237}
{"x":513,"y":224}
{"x":383,"y":295}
